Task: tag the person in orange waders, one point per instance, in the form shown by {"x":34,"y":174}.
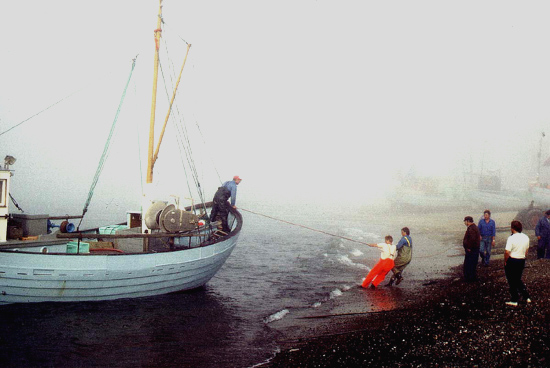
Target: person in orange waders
{"x":384,"y":265}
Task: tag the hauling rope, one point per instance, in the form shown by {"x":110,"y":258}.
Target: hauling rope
{"x":444,"y":250}
{"x":305,"y":227}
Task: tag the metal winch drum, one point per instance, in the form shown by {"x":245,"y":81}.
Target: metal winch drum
{"x":169,"y":218}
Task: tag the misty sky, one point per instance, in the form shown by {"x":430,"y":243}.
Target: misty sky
{"x":315,"y":99}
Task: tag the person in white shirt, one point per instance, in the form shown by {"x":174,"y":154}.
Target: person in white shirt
{"x":384,"y":265}
{"x":515,"y":252}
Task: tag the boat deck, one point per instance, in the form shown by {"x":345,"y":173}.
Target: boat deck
{"x":42,"y":240}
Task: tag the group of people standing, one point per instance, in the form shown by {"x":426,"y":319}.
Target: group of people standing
{"x":478,"y":241}
{"x":392,"y":258}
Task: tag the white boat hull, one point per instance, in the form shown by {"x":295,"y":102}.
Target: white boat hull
{"x":36,"y":277}
{"x":500,"y":200}
{"x":541,"y":196}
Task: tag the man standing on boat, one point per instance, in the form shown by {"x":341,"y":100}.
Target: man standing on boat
{"x":471,"y":248}
{"x":221,"y":206}
{"x":487,"y":229}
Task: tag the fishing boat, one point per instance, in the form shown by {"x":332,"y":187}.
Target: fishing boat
{"x":158,"y":250}
{"x":415,"y":193}
{"x":489,"y":194}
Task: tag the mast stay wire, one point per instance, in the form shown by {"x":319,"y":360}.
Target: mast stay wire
{"x":45,"y":109}
{"x":180,"y":140}
{"x":167,"y":26}
{"x":85,"y":87}
{"x":182,"y":133}
{"x":210,"y":156}
{"x":107,"y":147}
{"x":173,"y":32}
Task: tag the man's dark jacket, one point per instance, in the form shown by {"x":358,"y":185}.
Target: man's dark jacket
{"x":472,"y":238}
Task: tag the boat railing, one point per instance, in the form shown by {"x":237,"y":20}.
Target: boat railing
{"x":201,"y":236}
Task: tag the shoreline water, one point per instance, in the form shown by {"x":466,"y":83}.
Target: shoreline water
{"x":282,"y":287}
{"x":444,"y":323}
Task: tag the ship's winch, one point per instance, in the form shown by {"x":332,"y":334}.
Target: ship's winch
{"x":161,"y":216}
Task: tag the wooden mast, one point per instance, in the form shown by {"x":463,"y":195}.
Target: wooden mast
{"x":150,"y":162}
{"x":155,"y":156}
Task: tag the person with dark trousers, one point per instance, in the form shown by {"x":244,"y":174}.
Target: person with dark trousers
{"x":221,"y":206}
{"x":515,"y":253}
{"x":542,"y":231}
{"x":471,"y":242}
{"x":487,"y":229}
{"x":404,"y":256}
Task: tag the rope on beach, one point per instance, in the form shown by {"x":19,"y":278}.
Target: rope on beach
{"x":306,"y":227}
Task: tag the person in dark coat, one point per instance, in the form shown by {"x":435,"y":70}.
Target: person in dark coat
{"x":471,"y":243}
{"x":221,"y":206}
{"x":542,"y":231}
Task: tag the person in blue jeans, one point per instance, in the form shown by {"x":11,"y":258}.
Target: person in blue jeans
{"x":542,"y":231}
{"x":487,"y":229}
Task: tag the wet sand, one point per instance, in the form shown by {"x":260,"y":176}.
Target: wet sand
{"x":444,"y":322}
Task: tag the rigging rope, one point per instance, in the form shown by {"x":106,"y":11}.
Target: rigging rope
{"x":209,"y":155}
{"x":40,"y":112}
{"x":15,"y":203}
{"x":106,"y":148}
{"x":183,"y":140}
{"x":52,"y":105}
{"x":183,"y":130}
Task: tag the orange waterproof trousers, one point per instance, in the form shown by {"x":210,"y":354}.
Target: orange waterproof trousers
{"x":378,"y":272}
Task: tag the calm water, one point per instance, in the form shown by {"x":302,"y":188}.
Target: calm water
{"x":276,"y":272}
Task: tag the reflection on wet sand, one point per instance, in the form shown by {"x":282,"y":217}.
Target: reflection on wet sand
{"x":382,"y":299}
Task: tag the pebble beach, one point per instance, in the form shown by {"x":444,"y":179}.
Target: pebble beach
{"x":444,"y":323}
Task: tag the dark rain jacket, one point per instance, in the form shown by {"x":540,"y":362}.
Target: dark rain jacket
{"x":543,"y":228}
{"x":471,"y":238}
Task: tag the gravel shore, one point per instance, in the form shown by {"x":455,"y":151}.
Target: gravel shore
{"x":450,"y":324}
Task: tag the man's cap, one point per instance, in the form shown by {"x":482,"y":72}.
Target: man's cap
{"x":236,"y":177}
